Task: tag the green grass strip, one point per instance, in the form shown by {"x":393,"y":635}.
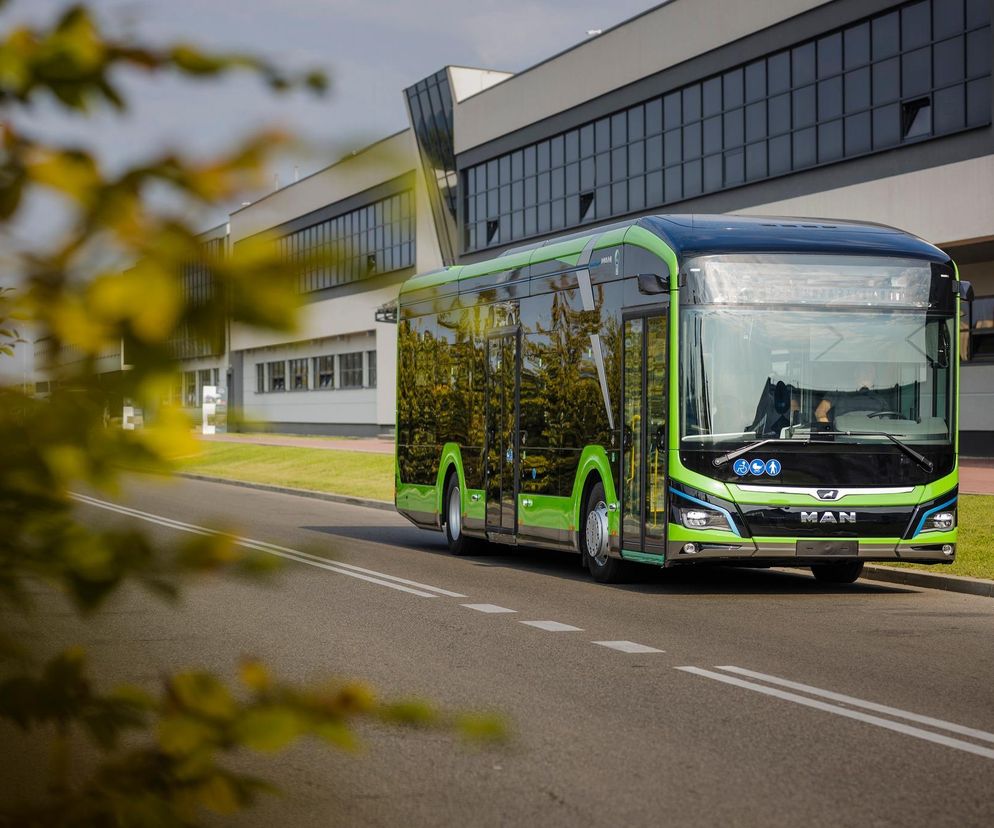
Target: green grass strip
{"x":355,"y":473}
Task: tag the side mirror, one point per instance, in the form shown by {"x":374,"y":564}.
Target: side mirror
{"x":964,"y":290}
{"x":652,"y":283}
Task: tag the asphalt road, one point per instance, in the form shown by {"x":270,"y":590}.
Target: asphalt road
{"x":695,"y":697}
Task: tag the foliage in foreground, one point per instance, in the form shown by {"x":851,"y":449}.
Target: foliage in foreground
{"x":115,"y":279}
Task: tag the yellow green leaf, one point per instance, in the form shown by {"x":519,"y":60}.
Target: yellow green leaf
{"x":218,"y":794}
{"x":204,"y":694}
{"x":268,"y":728}
{"x":255,"y":675}
{"x":182,"y":735}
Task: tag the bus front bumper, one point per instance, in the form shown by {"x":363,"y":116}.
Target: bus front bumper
{"x":781,"y":551}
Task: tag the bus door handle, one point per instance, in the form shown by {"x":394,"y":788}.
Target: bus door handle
{"x":526,"y":502}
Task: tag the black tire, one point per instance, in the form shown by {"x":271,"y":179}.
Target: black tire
{"x":459,"y":543}
{"x":604,"y":569}
{"x":844,"y":572}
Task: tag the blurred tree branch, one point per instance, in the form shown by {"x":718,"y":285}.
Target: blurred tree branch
{"x":116,"y":276}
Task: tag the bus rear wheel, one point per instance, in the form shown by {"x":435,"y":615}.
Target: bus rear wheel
{"x":844,"y":572}
{"x":459,"y":544}
{"x":594,"y":540}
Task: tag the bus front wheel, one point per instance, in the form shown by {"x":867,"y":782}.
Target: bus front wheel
{"x":594,"y":540}
{"x":845,"y":572}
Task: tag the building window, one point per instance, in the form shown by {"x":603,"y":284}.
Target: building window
{"x":371,"y":368}
{"x":377,"y":238}
{"x":205,"y":379}
{"x":299,"y":380}
{"x":190,"y":384}
{"x":909,"y":74}
{"x":277,"y":375}
{"x":980,"y":329}
{"x":260,"y":377}
{"x":324,"y":372}
{"x":351,"y":365}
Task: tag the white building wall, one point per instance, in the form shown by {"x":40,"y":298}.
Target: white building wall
{"x":338,"y":406}
{"x":345,"y":321}
{"x":943,"y":205}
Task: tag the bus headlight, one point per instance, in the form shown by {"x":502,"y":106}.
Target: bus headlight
{"x":700,"y":518}
{"x":940,"y":522}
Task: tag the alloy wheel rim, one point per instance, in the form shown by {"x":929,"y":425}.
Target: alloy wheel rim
{"x":596,"y":533}
{"x":455,"y":517}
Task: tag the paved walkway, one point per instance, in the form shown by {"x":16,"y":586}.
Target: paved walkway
{"x":372,"y":445}
{"x":976,"y":475}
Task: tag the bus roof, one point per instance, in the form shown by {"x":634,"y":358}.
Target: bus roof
{"x":694,"y":234}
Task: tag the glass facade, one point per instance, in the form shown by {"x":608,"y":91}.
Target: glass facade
{"x":377,"y":238}
{"x":277,"y":375}
{"x":978,"y":344}
{"x":371,"y":369}
{"x":296,"y":374}
{"x":199,"y":290}
{"x":350,"y":366}
{"x":430,"y":105}
{"x":324,"y":372}
{"x":917,"y":71}
{"x":299,"y":375}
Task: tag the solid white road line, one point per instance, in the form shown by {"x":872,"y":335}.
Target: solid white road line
{"x":489,"y":608}
{"x":358,"y":572}
{"x":627,"y":646}
{"x":887,"y":724}
{"x":552,"y":626}
{"x":866,"y":705}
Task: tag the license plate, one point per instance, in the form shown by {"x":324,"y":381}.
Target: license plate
{"x":841,"y":548}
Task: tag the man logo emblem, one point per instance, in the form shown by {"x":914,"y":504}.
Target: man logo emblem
{"x":828,"y":494}
{"x":828,"y":517}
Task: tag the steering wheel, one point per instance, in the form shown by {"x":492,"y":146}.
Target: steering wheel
{"x":892,"y":415}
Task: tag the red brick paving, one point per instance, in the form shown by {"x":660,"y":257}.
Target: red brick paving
{"x":976,"y":476}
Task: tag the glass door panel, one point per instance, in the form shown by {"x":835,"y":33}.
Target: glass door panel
{"x":631,"y":426}
{"x":643,"y":467}
{"x":501,"y":451}
{"x":655,"y":421}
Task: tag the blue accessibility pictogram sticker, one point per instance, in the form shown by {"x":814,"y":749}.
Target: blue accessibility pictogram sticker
{"x":741,"y":467}
{"x":757,"y":467}
{"x":773,"y":467}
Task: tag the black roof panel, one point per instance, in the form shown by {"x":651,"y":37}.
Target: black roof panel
{"x":691,"y":235}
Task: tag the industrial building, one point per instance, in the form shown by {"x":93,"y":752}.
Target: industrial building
{"x":858,"y":109}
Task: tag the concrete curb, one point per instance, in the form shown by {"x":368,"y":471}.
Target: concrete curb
{"x":893,"y":575}
{"x":929,"y":580}
{"x":266,"y":487}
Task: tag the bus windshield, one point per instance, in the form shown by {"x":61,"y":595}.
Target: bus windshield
{"x":844,"y":347}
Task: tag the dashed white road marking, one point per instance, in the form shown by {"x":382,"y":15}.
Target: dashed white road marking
{"x":358,"y":572}
{"x":866,"y":705}
{"x":627,"y":646}
{"x":552,"y":626}
{"x":817,"y":704}
{"x":488,"y":608}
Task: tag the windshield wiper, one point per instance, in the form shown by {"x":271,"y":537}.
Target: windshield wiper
{"x":731,"y":455}
{"x":919,"y":458}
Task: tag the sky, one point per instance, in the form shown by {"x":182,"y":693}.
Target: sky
{"x":371,"y":50}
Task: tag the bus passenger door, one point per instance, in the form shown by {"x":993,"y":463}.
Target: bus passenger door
{"x":501,"y":431}
{"x":643,"y":423}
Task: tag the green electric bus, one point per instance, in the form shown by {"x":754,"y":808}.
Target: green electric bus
{"x":685,"y":389}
